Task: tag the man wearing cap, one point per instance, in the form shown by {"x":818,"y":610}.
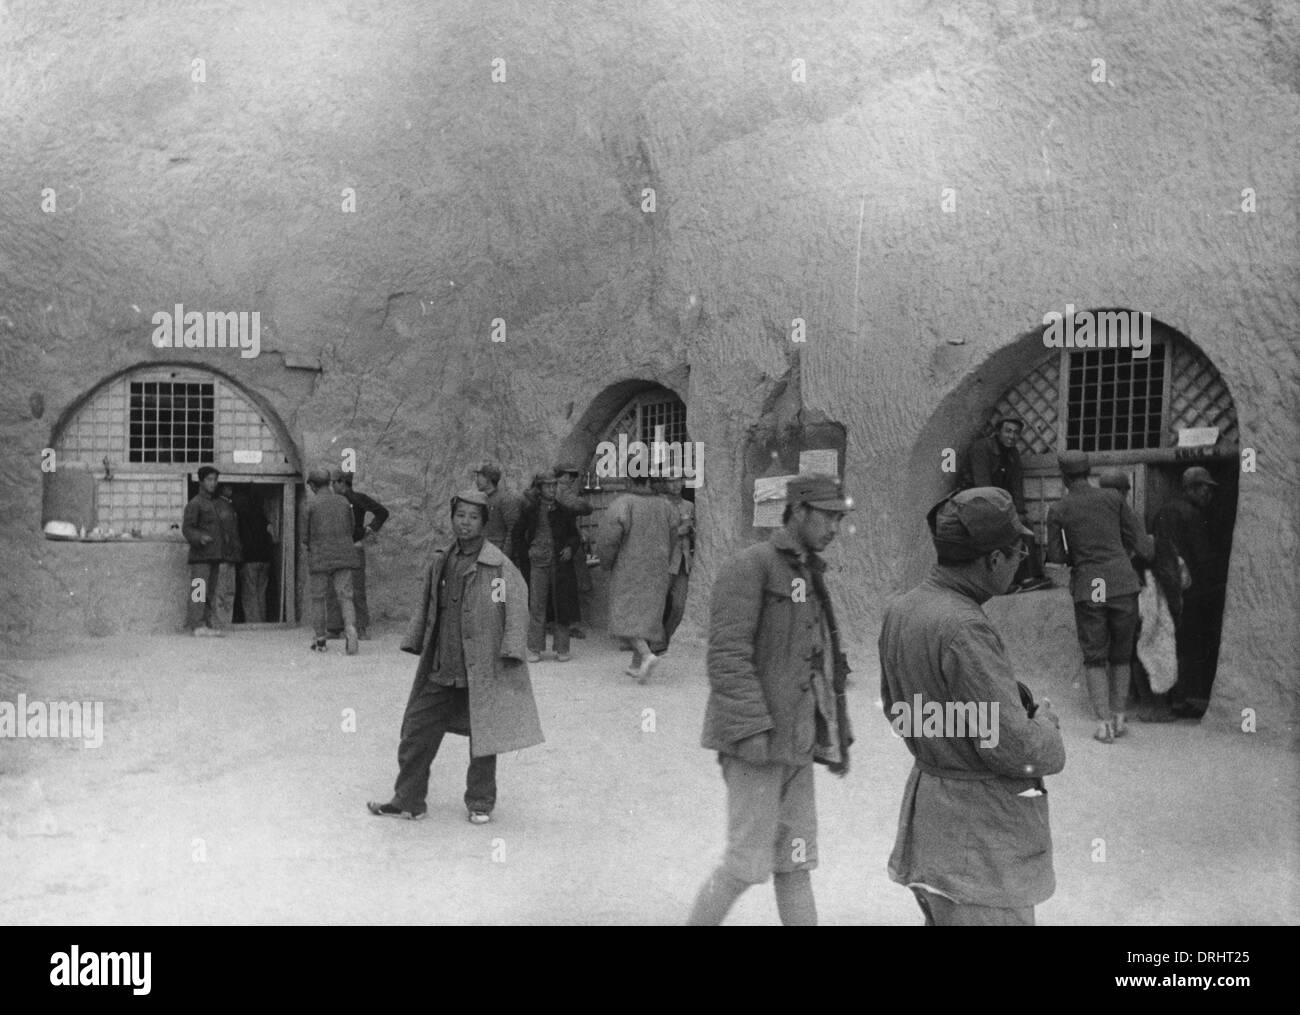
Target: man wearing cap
{"x":546,"y":540}
{"x":776,"y":703}
{"x":503,"y":506}
{"x":995,"y":461}
{"x":468,"y":628}
{"x":1195,"y":590}
{"x":974,"y":843}
{"x":211,"y":528}
{"x":1096,"y":533}
{"x":341,"y":483}
{"x":332,"y":558}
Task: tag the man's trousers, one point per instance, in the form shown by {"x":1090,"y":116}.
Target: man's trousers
{"x":359,"y":602}
{"x":216,"y":595}
{"x":432,"y":711}
{"x":252,"y":590}
{"x":339,"y":582}
{"x":541,"y":590}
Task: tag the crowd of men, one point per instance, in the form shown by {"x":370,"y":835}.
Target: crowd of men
{"x":973,"y":842}
{"x":1111,"y":557}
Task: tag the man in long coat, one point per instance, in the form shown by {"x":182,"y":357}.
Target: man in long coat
{"x":469,"y":630}
{"x":974,"y":842}
{"x":635,"y":543}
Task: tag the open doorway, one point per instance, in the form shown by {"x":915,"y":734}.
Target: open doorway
{"x":1150,"y":418}
{"x":264,"y":574}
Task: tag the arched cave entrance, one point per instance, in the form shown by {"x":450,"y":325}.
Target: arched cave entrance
{"x":639,"y":410}
{"x":128,"y":453}
{"x":1150,"y":417}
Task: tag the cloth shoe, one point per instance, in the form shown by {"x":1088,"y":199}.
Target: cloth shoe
{"x":391,"y":810}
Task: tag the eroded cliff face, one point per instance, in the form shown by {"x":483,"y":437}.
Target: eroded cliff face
{"x":897,"y":179}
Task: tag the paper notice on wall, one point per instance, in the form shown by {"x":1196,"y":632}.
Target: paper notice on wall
{"x":825,"y":461}
{"x":243,"y":457}
{"x":1198,"y":436}
{"x":769,"y":501}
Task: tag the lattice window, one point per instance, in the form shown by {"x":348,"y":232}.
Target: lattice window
{"x":97,"y":430}
{"x":154,"y":427}
{"x":148,"y":505}
{"x":242,"y":426}
{"x":639,"y":418}
{"x":172,"y":422}
{"x":1034,"y":399}
{"x":1115,"y":400}
{"x":1198,"y":397}
{"x":668,"y":412}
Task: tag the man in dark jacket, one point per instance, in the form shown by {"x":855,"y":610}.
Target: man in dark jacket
{"x":546,"y":539}
{"x":679,"y":564}
{"x":332,"y":557}
{"x":341,"y":484}
{"x":776,"y":703}
{"x":974,"y":844}
{"x":995,"y":461}
{"x":210,"y":527}
{"x":570,"y":494}
{"x":1097,"y":534}
{"x":503,"y":507}
{"x":1195,"y":590}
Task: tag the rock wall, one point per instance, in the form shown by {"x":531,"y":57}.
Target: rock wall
{"x":901,"y":181}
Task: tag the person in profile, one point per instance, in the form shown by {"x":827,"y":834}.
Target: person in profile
{"x":974,"y":839}
{"x":776,"y":703}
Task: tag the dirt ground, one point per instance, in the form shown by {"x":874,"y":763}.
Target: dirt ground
{"x":227,"y":790}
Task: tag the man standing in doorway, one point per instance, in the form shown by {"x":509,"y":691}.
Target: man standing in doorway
{"x":995,"y":461}
{"x":776,"y":703}
{"x":341,"y":484}
{"x":210,"y":527}
{"x":974,"y":842}
{"x":258,"y":543}
{"x":1193,"y":575}
{"x":1096,"y":533}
